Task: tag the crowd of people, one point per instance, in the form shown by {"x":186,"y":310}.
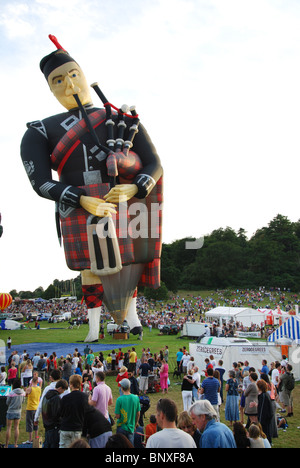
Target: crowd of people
{"x":175,"y":311}
{"x":71,"y":398}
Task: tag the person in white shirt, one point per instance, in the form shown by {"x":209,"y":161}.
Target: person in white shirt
{"x":184,"y":361}
{"x":170,"y":436}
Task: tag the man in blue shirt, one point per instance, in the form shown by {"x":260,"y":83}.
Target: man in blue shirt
{"x":213,"y":434}
{"x":179,"y":355}
{"x":210,"y":388}
{"x":264,"y":369}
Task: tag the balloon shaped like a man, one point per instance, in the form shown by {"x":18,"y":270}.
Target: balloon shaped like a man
{"x":108,"y":194}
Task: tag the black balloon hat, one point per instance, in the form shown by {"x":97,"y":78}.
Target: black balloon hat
{"x":55,"y":59}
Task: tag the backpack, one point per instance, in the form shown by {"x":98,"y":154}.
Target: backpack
{"x":51,"y":366}
{"x":289,"y":383}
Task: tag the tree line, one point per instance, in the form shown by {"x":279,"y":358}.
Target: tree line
{"x":227,"y":259}
{"x":270,"y":258}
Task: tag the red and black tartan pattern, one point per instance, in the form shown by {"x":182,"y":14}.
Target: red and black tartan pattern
{"x":76,"y":243}
{"x":124,"y":166}
{"x":93,"y":295}
{"x":71,"y":139}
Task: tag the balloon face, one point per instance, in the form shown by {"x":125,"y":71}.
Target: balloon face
{"x":5,"y":300}
{"x":67,"y":80}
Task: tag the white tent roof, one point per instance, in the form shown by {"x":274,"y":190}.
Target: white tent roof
{"x":289,"y":329}
{"x":233,"y":312}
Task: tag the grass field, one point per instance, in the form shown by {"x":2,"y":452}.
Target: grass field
{"x":288,"y":439}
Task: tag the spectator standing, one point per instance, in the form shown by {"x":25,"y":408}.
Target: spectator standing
{"x":102,"y":396}
{"x":197,"y":383}
{"x":143,"y":371}
{"x":27,"y":373}
{"x":179,"y":355}
{"x":35,"y":360}
{"x":251,"y":399}
{"x":67,"y":369}
{"x":210,"y":389}
{"x":184,"y":362}
{"x":12,"y":374}
{"x":170,"y":436}
{"x":51,"y":413}
{"x":14,"y":403}
{"x":166,"y":353}
{"x":187,"y":390}
{"x":134,"y":385}
{"x":221,"y":371}
{"x":127,"y":411}
{"x":265,"y":409}
{"x":163,"y":376}
{"x":213,"y":433}
{"x":73,"y":409}
{"x":232,"y":400}
{"x":264,"y":369}
{"x":33,"y":394}
{"x":3,"y":376}
{"x":132,"y":361}
{"x":286,"y":386}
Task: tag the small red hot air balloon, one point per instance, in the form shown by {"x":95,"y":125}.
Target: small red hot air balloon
{"x":5,"y":300}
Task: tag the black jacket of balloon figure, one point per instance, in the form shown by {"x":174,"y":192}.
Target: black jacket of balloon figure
{"x":108,"y":195}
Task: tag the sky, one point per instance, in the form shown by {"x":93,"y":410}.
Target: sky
{"x":215,"y":83}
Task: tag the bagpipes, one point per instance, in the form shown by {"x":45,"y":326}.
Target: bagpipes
{"x":103,"y":244}
{"x":113,"y":145}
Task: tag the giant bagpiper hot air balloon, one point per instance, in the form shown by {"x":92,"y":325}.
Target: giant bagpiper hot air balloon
{"x":5,"y":300}
{"x":107,"y":167}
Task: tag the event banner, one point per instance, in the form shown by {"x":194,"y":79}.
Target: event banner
{"x":248,"y":334}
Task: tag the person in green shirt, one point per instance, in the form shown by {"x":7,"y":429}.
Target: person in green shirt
{"x":127,"y":411}
{"x":90,"y":358}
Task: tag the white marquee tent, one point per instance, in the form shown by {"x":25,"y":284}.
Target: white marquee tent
{"x":245,"y":315}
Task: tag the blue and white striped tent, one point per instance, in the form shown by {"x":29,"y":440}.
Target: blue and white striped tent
{"x":289,"y":329}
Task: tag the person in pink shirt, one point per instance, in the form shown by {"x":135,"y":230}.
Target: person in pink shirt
{"x":102,"y":395}
{"x":12,"y":373}
{"x":164,"y":375}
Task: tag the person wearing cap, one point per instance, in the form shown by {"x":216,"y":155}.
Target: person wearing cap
{"x":214,"y":434}
{"x":127,"y":411}
{"x":65,"y":143}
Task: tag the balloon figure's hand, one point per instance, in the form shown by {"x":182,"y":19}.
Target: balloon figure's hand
{"x":121,"y":193}
{"x":97,"y":206}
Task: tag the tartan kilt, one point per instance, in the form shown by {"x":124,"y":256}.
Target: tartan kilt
{"x":133,"y":250}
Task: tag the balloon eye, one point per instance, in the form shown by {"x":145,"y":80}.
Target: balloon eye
{"x":74,"y":75}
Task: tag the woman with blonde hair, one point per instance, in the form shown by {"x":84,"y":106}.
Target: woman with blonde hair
{"x":186,"y":424}
{"x":123,"y":374}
